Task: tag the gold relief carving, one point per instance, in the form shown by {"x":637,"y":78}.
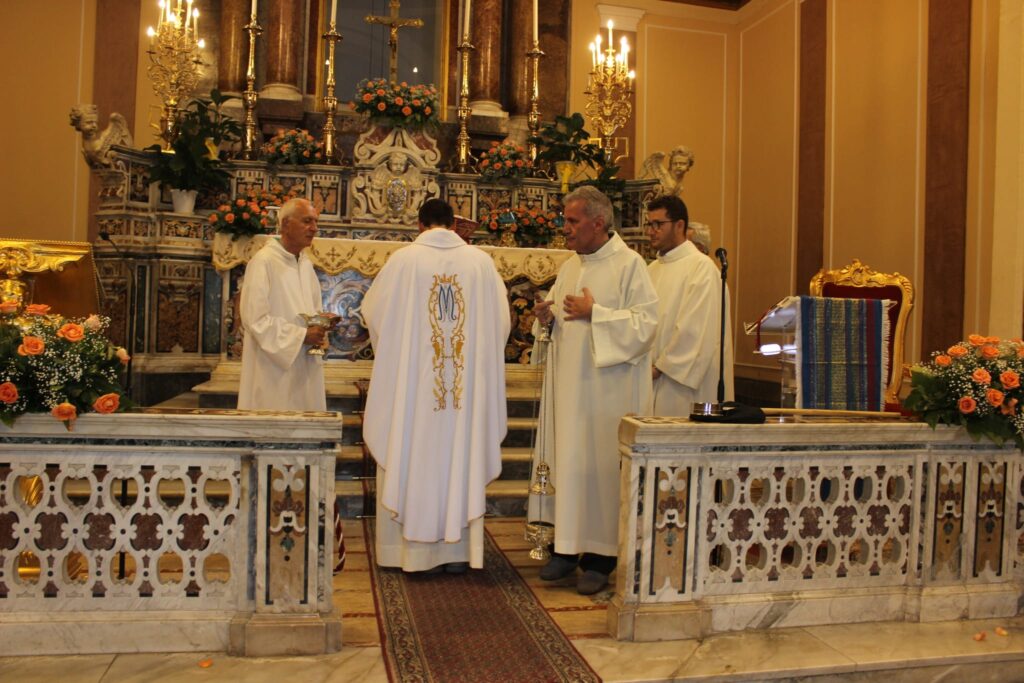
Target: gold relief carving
{"x":447,"y":314}
{"x":174,"y":227}
{"x":26,"y":256}
{"x":991,"y":519}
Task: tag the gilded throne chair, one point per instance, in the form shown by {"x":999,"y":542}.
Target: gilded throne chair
{"x":860,"y":281}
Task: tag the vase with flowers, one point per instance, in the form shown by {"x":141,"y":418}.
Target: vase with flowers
{"x":62,"y":366}
{"x":520,"y":227}
{"x":396,"y":105}
{"x":975,"y":384}
{"x":251,"y":213}
{"x":294,"y":146}
{"x":504,"y":161}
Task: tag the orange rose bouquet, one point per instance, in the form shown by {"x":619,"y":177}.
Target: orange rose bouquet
{"x":529,"y":227}
{"x":400,"y":105}
{"x":504,"y":160}
{"x":249,"y":214}
{"x":57,"y":365}
{"x":294,"y":146}
{"x":975,"y":384}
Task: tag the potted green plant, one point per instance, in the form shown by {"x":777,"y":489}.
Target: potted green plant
{"x":565,"y":144}
{"x":193,"y":161}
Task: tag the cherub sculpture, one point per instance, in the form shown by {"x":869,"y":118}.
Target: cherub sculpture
{"x":680,"y":160}
{"x":96,"y":145}
{"x":394,"y":190}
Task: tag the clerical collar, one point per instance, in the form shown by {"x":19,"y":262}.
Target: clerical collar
{"x":606,"y":249}
{"x":681,"y":251}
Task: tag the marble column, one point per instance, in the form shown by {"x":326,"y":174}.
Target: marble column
{"x":234,"y":45}
{"x":517,"y":71}
{"x":485,"y":68}
{"x":284,"y":49}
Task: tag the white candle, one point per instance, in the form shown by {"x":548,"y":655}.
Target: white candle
{"x":535,"y":38}
{"x":334,"y":12}
{"x":465,"y":20}
{"x":593,"y":56}
{"x":195,"y":23}
{"x":611,"y":43}
{"x":253,"y":10}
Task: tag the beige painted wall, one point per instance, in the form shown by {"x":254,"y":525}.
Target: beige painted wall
{"x":47,"y":48}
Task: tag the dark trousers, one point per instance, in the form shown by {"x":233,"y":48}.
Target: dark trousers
{"x":602,"y":564}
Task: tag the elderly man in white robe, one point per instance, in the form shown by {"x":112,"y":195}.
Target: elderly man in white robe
{"x":603,"y":316}
{"x":280,"y":285}
{"x":686,"y":349}
{"x":438,"y":317}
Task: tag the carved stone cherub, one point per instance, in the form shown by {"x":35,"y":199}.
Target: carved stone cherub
{"x":96,"y":145}
{"x":680,"y":161}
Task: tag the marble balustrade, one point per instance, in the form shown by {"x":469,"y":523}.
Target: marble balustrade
{"x":733,"y":527}
{"x":168,"y":531}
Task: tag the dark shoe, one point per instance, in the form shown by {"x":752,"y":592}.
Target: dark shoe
{"x":557,"y":568}
{"x":429,"y":572}
{"x":591,"y":582}
{"x":456,"y":567}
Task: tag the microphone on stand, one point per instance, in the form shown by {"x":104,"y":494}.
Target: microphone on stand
{"x":714,"y":410}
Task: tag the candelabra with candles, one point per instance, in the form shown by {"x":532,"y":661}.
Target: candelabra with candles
{"x":463,"y":158}
{"x":174,"y":62}
{"x":533,"y":118}
{"x":609,"y":89}
{"x":250,"y":97}
{"x":330,"y":101}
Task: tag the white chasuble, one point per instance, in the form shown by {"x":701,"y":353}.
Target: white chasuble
{"x":689,"y":289}
{"x":597,"y":371}
{"x":436,"y":413}
{"x":277,"y":371}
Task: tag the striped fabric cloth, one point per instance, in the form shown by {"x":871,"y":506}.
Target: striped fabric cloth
{"x":842,"y":353}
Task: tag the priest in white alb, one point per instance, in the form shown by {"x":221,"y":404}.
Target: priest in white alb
{"x":435,"y":415}
{"x":603,"y":313}
{"x":686,"y":350}
{"x":280,"y":285}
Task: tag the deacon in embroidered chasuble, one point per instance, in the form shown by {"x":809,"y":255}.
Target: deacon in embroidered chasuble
{"x":280,"y":284}
{"x":686,"y":348}
{"x":597,"y":370}
{"x":436,"y":413}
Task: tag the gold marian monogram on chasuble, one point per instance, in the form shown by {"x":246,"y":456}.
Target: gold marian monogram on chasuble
{"x":447,"y":318}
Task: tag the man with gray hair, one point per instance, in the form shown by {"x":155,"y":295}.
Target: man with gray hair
{"x":602,"y":312}
{"x":280,"y":285}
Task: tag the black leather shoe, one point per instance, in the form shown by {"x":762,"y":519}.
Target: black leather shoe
{"x":591,"y":582}
{"x":456,"y":567}
{"x":557,"y":568}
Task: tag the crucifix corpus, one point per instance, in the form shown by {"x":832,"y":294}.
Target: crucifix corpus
{"x":394,"y":22}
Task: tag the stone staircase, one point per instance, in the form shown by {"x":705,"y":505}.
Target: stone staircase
{"x":506,"y":496}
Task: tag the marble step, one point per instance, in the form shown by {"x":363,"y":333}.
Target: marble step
{"x":505,"y":498}
{"x":354,"y":454}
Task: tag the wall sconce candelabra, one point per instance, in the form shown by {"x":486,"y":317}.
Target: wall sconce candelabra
{"x":609,"y":89}
{"x":174,"y":62}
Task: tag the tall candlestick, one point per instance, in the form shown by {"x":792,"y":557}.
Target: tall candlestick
{"x":465,"y":20}
{"x":535,"y":39}
{"x":334,"y":12}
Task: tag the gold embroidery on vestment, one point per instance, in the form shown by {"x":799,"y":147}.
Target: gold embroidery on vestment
{"x":447,"y":319}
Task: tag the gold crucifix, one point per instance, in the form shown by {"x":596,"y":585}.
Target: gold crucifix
{"x":394,"y":22}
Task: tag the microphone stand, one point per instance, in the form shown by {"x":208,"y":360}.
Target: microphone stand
{"x":715,"y":409}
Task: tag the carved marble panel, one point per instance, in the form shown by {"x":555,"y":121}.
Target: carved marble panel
{"x":179,"y":299}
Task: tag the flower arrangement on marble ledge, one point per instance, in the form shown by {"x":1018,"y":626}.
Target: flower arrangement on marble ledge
{"x":975,"y":384}
{"x":398,"y":105}
{"x":521,"y":227}
{"x":62,"y":366}
{"x":250,"y":214}
{"x":294,"y":146}
{"x":504,"y":160}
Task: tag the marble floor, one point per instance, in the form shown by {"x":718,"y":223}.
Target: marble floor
{"x":872,"y":653}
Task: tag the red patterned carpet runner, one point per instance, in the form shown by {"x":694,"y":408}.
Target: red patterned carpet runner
{"x":483,"y":626}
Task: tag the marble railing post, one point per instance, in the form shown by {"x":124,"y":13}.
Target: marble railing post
{"x":485,"y":67}
{"x":234,"y":45}
{"x":284,"y":50}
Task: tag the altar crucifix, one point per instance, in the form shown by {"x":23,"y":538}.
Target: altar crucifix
{"x":394,"y":22}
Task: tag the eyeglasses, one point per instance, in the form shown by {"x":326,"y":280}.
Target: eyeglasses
{"x":656,"y":225}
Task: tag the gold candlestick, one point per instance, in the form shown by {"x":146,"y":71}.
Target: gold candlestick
{"x":330,"y":101}
{"x":464,"y":159}
{"x":250,"y":97}
{"x":609,"y":89}
{"x":174,"y":62}
{"x":533,"y":118}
